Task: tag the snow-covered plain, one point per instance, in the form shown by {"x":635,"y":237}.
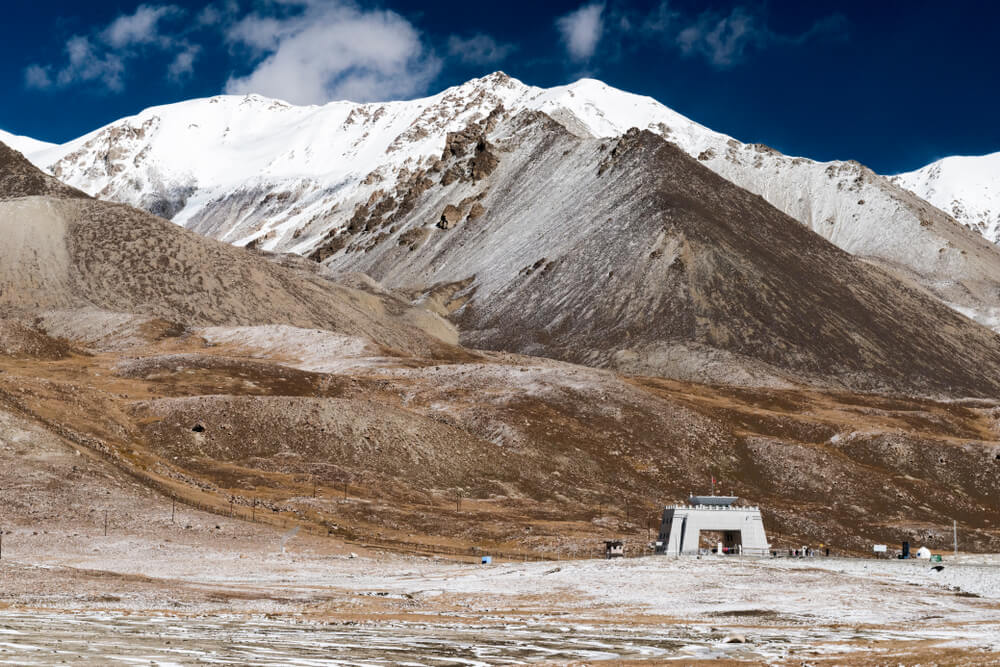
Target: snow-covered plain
{"x":242,"y":601}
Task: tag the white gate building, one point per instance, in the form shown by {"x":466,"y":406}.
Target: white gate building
{"x":741,"y":528}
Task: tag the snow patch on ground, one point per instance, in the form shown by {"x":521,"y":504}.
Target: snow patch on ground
{"x":310,"y":349}
{"x":653,"y":608}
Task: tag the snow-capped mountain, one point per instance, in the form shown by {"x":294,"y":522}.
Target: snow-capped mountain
{"x":967,"y":187}
{"x":251,"y":170}
{"x":25,"y":145}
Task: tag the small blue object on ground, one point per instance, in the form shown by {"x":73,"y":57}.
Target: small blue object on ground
{"x":487,"y":560}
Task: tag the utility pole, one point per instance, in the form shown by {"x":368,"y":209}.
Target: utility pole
{"x":105,"y":523}
{"x":253,"y":511}
{"x":173,"y":508}
{"x":954,"y":534}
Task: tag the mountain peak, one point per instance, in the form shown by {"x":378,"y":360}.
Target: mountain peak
{"x":965,"y":186}
{"x":499,"y":77}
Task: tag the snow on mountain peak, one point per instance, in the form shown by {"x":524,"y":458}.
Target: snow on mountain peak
{"x":25,"y":145}
{"x":967,"y":187}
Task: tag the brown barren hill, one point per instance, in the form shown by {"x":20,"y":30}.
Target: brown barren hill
{"x":20,"y":178}
{"x":65,"y":251}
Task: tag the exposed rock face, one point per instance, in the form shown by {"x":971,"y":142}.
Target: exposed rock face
{"x":471,"y":143}
{"x":630,"y":254}
{"x":476,"y":211}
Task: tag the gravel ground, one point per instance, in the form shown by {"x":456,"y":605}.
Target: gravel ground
{"x":240,"y":600}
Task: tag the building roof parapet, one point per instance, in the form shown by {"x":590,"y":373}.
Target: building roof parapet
{"x":714,"y":508}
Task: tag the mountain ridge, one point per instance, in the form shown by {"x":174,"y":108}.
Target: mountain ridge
{"x":67,"y":252}
{"x":24,"y":144}
{"x":283,"y":178}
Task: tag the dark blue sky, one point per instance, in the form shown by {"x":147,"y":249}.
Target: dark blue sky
{"x":894,"y":85}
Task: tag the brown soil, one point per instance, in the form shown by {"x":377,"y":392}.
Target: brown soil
{"x":511,"y":454}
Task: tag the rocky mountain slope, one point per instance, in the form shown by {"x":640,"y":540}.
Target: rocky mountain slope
{"x":251,"y":170}
{"x":18,"y":178}
{"x":630,"y":254}
{"x":967,"y":187}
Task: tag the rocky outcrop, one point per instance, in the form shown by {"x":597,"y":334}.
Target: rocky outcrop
{"x":476,"y":211}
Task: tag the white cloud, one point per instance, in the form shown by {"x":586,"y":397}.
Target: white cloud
{"x":138,"y":28}
{"x":260,"y":33}
{"x":218,"y":13}
{"x":722,"y":41}
{"x":479,"y":49}
{"x":332,"y":49}
{"x":306,"y":51}
{"x":36,"y":76}
{"x":100,"y":58}
{"x":581,"y":31}
{"x":84,"y":63}
{"x":661,"y":19}
{"x":183,"y":63}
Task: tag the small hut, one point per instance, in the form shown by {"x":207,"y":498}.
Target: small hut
{"x":614,"y":549}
